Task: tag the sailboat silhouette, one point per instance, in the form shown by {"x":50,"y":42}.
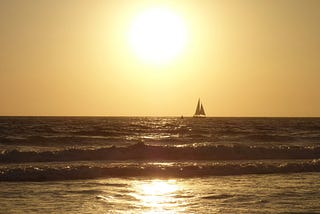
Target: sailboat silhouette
{"x":199,"y":110}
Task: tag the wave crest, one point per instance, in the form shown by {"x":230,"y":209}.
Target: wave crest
{"x":141,"y":151}
{"x":180,"y":170}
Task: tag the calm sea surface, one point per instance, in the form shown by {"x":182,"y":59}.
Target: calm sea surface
{"x":159,"y":165}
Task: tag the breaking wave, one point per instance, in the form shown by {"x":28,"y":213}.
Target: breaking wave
{"x":140,"y":151}
{"x":159,"y":170}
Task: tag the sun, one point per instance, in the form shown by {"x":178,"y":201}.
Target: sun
{"x":157,"y":35}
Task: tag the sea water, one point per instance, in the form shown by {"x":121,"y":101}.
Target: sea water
{"x":159,"y":165}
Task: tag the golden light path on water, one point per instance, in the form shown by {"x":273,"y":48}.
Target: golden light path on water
{"x":158,"y":196}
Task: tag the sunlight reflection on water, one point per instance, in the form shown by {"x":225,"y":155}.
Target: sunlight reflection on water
{"x":158,"y":196}
{"x":271,"y":193}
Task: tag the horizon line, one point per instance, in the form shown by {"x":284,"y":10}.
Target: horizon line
{"x":158,"y":116}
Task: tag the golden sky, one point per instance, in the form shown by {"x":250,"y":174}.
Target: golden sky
{"x":241,"y":57}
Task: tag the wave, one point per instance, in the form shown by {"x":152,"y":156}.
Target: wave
{"x":102,"y":131}
{"x":182,"y":170}
{"x":164,"y":137}
{"x":140,"y":151}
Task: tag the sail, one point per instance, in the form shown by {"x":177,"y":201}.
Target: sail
{"x":198,"y":108}
{"x":202,"y":110}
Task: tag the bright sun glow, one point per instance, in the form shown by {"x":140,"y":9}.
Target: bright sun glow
{"x":157,"y":35}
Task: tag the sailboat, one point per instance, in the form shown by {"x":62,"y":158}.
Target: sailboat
{"x":199,"y":110}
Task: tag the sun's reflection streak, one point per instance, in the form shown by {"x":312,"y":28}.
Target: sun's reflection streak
{"x":159,"y":196}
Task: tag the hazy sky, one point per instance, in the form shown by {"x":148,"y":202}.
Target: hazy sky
{"x":242,"y":58}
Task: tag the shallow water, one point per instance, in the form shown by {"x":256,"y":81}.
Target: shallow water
{"x":276,"y":193}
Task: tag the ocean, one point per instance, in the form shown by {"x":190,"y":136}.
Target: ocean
{"x":159,"y":165}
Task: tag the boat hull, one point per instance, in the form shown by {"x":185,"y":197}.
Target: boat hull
{"x":199,"y":116}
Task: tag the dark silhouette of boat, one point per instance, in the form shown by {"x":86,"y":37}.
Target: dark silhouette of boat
{"x":199,"y":110}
